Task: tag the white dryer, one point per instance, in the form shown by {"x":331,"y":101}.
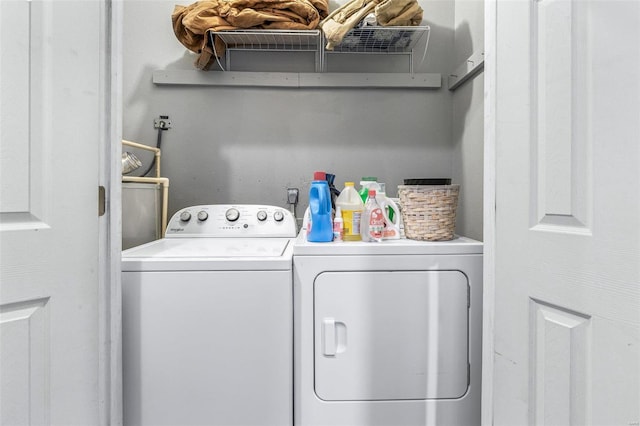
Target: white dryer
{"x":387,"y":333}
{"x":208,"y":320}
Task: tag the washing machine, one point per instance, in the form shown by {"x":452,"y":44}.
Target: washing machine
{"x":208,"y":320}
{"x":387,"y":333}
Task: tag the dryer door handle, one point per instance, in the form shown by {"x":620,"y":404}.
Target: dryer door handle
{"x":334,"y":337}
{"x":329,"y":337}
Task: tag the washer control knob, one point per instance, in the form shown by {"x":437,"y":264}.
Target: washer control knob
{"x":202,"y":215}
{"x":262,"y":215}
{"x":278,"y":216}
{"x":232,"y":215}
{"x":185,"y":216}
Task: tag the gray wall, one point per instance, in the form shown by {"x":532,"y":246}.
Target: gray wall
{"x":247,"y":145}
{"x":468,"y":119}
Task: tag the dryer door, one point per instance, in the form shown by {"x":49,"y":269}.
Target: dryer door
{"x":390,"y":335}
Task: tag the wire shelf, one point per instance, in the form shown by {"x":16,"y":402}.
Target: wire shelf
{"x":295,"y":40}
{"x":375,"y":39}
{"x":368,"y":39}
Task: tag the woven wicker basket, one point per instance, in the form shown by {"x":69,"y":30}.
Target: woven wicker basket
{"x":429,"y":211}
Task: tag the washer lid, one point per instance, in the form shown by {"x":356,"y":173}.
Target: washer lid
{"x":197,"y":254}
{"x":210,"y":248}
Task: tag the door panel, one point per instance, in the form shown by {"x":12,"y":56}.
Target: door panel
{"x":25,"y":114}
{"x":26,"y":366}
{"x":559,"y":349}
{"x":561,"y":181}
{"x":391,"y":335}
{"x":567,"y":276}
{"x":53,"y":102}
{"x":14,"y":69}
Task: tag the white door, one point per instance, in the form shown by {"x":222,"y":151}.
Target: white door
{"x":566,"y":349}
{"x":52,"y":105}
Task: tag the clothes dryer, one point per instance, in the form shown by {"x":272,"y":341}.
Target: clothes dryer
{"x":387,"y":333}
{"x":207,"y":320}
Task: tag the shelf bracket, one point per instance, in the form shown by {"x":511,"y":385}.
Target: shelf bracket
{"x":468,"y":69}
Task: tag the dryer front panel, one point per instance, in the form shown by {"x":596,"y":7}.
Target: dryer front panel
{"x":391,"y":335}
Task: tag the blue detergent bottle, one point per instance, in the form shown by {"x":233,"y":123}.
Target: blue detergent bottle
{"x":320,"y":210}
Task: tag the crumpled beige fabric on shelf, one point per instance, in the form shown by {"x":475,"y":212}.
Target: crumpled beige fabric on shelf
{"x":402,"y":13}
{"x":192,"y":24}
{"x":343,"y":19}
{"x":388,"y":13}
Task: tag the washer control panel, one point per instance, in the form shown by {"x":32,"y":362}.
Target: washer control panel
{"x":232,"y":220}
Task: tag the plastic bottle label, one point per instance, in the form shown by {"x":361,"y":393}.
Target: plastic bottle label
{"x":351,"y":220}
{"x":376,"y":223}
{"x":337,"y":231}
{"x":389,"y":233}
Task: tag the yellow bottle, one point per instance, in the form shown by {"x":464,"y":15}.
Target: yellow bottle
{"x":351,"y":205}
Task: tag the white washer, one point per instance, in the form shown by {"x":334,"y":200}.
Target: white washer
{"x":208,"y":320}
{"x":387,"y":333}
